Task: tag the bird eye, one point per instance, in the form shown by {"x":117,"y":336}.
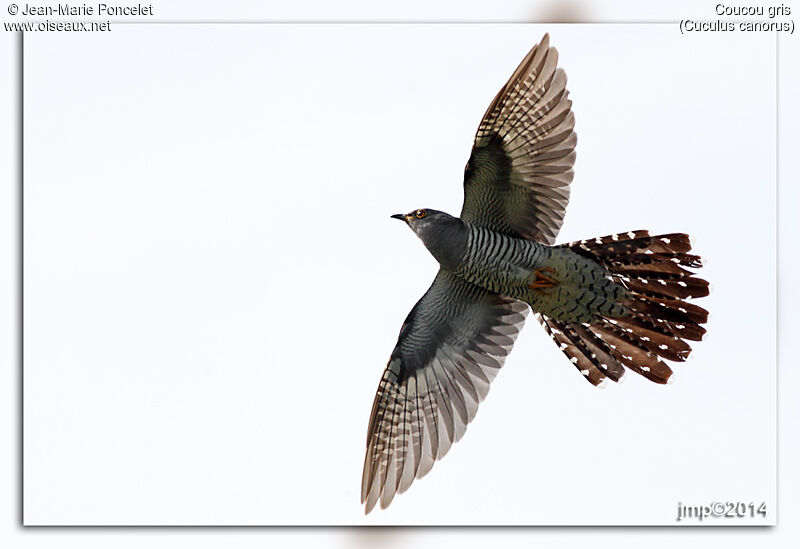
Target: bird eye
{"x":419,"y":214}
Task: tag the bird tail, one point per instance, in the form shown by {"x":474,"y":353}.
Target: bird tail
{"x":660,"y":320}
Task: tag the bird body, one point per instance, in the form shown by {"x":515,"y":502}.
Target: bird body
{"x":611,"y":304}
{"x":580,"y":288}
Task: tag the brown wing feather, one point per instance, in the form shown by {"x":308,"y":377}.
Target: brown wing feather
{"x":518,"y":175}
{"x":450,"y":348}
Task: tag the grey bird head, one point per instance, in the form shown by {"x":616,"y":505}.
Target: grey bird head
{"x":445,"y":236}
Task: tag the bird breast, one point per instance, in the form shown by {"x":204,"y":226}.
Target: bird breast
{"x":500,"y":263}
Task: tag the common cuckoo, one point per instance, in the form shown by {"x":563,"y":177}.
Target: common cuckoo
{"x":609,"y":303}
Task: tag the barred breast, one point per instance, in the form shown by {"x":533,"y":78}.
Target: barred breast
{"x":500,"y":263}
{"x":580,"y":289}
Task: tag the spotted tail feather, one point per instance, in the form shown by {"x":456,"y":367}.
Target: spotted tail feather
{"x":656,"y":272}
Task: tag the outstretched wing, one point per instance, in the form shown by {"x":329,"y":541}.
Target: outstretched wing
{"x":518,"y":175}
{"x":450,"y":348}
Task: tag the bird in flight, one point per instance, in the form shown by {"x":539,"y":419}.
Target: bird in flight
{"x":610,"y":303}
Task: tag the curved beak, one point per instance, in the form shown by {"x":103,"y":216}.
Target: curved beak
{"x":401,"y":217}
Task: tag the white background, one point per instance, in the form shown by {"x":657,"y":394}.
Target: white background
{"x":213,"y":283}
{"x":511,"y":10}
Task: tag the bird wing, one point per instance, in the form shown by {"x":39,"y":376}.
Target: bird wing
{"x":517,"y":179}
{"x":450,"y":348}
